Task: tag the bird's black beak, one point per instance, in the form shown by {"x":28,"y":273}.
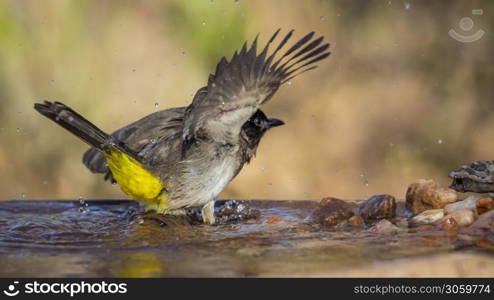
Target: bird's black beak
{"x":275,"y":122}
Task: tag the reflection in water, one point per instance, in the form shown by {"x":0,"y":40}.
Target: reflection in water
{"x":138,"y":265}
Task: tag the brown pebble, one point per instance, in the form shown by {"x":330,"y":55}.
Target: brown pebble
{"x":425,"y":194}
{"x":356,"y":221}
{"x":384,"y":227}
{"x":274,"y":219}
{"x":484,"y":205}
{"x":332,"y":211}
{"x":378,"y":207}
{"x":427,"y":217}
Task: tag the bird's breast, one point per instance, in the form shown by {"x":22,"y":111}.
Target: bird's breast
{"x":204,"y":179}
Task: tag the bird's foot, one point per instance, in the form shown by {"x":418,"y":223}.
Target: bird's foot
{"x":207,"y":213}
{"x":177,"y":212}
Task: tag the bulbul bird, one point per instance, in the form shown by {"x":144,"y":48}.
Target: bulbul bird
{"x":184,"y":157}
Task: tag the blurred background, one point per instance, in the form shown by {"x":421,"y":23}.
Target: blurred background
{"x":399,"y":98}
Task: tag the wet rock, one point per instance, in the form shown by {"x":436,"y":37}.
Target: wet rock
{"x":384,"y":227}
{"x":332,"y":211}
{"x":485,"y":221}
{"x":427,"y":217}
{"x":378,"y":207}
{"x":469,"y":203}
{"x":425,"y":194}
{"x":447,"y":223}
{"x":484,"y":205}
{"x":227,"y":211}
{"x":478,"y":177}
{"x":274,"y":219}
{"x":463,"y":217}
{"x":481,"y":232}
{"x":356,"y":221}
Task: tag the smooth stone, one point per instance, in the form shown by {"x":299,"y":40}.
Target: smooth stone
{"x":447,"y":223}
{"x":356,"y":221}
{"x":463,"y":217}
{"x":485,"y":221}
{"x":427,"y":217}
{"x":426,"y":194}
{"x":484,"y":205}
{"x":378,"y":207}
{"x":384,"y":227}
{"x":468,"y":203}
{"x":332,"y":211}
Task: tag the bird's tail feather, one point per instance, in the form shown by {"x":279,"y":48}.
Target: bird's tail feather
{"x":80,"y":127}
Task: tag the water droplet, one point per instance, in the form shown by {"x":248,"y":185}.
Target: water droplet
{"x":439,"y":141}
{"x":156,"y":104}
{"x":203,"y":23}
{"x":23,"y":195}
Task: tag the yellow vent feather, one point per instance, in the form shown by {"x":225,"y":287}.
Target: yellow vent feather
{"x":136,"y":181}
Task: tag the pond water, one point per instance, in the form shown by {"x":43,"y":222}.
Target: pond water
{"x":112,"y":238}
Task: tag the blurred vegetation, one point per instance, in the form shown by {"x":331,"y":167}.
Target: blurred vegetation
{"x":399,"y":99}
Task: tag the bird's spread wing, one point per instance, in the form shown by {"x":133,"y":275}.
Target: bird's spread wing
{"x":239,"y":86}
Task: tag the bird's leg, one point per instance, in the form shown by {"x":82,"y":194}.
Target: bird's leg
{"x":177,"y":212}
{"x":207,"y":213}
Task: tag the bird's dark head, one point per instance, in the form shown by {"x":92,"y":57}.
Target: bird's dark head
{"x":254,"y":129}
{"x":258,"y":124}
